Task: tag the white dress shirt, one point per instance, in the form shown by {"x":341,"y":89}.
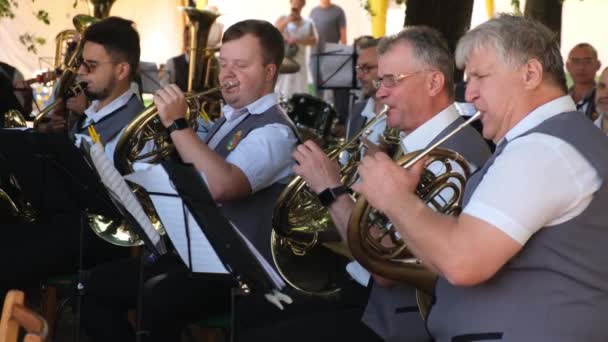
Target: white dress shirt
{"x":538,"y":180}
{"x":264,"y":155}
{"x":94,"y":115}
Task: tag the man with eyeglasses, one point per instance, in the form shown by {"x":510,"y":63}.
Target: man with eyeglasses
{"x":366,"y":109}
{"x":51,"y":172}
{"x":415,"y":79}
{"x":582,"y":65}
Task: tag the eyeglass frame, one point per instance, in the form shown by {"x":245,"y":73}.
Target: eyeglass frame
{"x":91,"y":68}
{"x":365,"y":68}
{"x":396,"y":79}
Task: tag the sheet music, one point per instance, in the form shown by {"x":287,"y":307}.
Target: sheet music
{"x":170,"y":208}
{"x":122,"y":192}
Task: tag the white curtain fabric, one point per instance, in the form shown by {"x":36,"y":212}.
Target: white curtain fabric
{"x":158,"y":22}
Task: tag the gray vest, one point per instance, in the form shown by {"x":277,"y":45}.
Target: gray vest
{"x":556,"y":288}
{"x":392,"y":312}
{"x":110,"y":125}
{"x":253,"y":214}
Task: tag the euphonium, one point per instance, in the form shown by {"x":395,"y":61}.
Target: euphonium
{"x":373,"y":240}
{"x":143,"y":132}
{"x":67,"y":81}
{"x":306,"y":247}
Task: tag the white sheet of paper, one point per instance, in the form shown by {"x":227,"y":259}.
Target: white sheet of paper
{"x":155,"y":179}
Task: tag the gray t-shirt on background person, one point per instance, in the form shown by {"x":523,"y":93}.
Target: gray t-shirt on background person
{"x":328,"y":22}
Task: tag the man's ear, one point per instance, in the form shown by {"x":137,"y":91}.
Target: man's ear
{"x":271,"y":71}
{"x":124,"y":70}
{"x":435,"y":82}
{"x":532,"y":74}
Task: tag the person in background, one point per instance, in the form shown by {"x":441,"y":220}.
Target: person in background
{"x":299,"y":33}
{"x":582,"y":64}
{"x":330,"y":23}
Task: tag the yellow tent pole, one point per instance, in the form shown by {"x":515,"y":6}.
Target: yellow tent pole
{"x":379,"y":8}
{"x":490,"y":8}
{"x":201,"y":4}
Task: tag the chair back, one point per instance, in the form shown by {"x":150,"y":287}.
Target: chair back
{"x":16,"y":316}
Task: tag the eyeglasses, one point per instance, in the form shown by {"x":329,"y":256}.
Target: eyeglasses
{"x":390,"y":81}
{"x":365,"y":68}
{"x":92,"y":65}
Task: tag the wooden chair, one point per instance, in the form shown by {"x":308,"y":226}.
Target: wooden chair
{"x":15,"y":316}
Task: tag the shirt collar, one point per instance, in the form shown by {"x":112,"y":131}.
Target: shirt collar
{"x":368,"y":110}
{"x":256,"y":107}
{"x":422,"y":136}
{"x":546,"y":111}
{"x":95,"y":114}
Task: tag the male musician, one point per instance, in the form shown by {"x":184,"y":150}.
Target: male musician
{"x":366,"y":109}
{"x":49,"y":181}
{"x":601,"y":101}
{"x":526,"y":260}
{"x":245,"y":161}
{"x":415,"y":79}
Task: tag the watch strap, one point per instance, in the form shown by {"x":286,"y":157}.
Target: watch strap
{"x":329,"y":195}
{"x":178,"y":125}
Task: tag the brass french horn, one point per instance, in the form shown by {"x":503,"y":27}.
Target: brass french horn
{"x":145,"y":133}
{"x":307,"y":249}
{"x":374,"y":241}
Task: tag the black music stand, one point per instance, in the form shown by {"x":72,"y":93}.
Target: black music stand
{"x":231,"y":246}
{"x":335,"y":68}
{"x":237,"y":255}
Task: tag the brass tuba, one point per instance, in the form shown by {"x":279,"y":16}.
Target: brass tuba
{"x":203,"y":68}
{"x":100,"y":8}
{"x":373,"y":240}
{"x":307,"y":249}
{"x":201,"y":58}
{"x":144,"y":131}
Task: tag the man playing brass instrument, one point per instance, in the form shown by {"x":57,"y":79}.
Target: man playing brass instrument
{"x":110,"y":56}
{"x":415,"y":79}
{"x":245,"y":161}
{"x":526,"y":259}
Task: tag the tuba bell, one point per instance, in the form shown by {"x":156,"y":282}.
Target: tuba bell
{"x":307,"y":249}
{"x":144,"y":131}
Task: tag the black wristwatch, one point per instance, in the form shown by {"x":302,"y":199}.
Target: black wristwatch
{"x":329,"y":195}
{"x":178,"y":125}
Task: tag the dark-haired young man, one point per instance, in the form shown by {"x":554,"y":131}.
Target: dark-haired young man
{"x":50,"y":245}
{"x":246,"y":160}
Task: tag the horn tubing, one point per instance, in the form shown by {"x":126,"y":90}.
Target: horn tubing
{"x":441,"y":141}
{"x":380,"y":115}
